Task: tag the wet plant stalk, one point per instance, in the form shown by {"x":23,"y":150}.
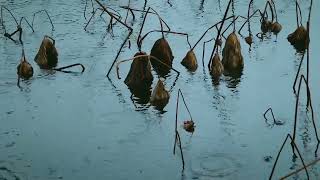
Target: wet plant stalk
{"x":218,"y":35}
{"x":278,"y":155}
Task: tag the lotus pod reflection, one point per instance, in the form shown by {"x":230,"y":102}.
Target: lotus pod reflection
{"x":216,"y":66}
{"x":160,"y":96}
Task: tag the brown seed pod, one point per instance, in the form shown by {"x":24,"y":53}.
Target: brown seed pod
{"x":162,"y":51}
{"x":276,"y":27}
{"x":216,"y":66}
{"x":299,"y":38}
{"x":160,"y":96}
{"x":231,"y":54}
{"x":24,"y":69}
{"x":190,"y":61}
{"x":140,"y":72}
{"x":266,"y":26}
{"x":47,"y":56}
{"x":189,"y":126}
{"x":249,"y":40}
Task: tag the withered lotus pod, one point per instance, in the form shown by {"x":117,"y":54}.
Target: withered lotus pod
{"x":216,"y":66}
{"x":160,"y":96}
{"x":231,"y":54}
{"x":189,"y":126}
{"x":190,"y":61}
{"x":265,"y":26}
{"x":276,"y":27}
{"x":47,"y":56}
{"x":24,"y":69}
{"x":140,"y":72}
{"x":299,"y":38}
{"x":162,"y":51}
{"x":249,"y":40}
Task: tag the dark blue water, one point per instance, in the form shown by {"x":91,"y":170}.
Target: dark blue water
{"x":82,"y":126}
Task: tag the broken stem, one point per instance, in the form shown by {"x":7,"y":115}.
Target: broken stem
{"x":278,"y":155}
{"x":266,"y":119}
{"x":300,"y":169}
{"x":69,"y":66}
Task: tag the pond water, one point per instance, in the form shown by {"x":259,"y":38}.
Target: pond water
{"x":84,"y":126}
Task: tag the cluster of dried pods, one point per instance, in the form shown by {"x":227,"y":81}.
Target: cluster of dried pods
{"x":47,"y":56}
{"x":139,"y":78}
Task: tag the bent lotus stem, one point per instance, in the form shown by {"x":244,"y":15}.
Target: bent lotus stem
{"x":2,"y":21}
{"x":232,"y":23}
{"x":300,"y":169}
{"x":275,"y":10}
{"x":294,"y":146}
{"x":204,"y":47}
{"x":23,"y":18}
{"x":61,"y":69}
{"x":302,"y":78}
{"x":85,"y":8}
{"x":177,"y":112}
{"x":138,"y":10}
{"x":297,"y":75}
{"x":213,"y":26}
{"x":248,"y":19}
{"x":161,"y":26}
{"x":46,"y":12}
{"x":265,"y":15}
{"x":124,"y":42}
{"x":265,"y":117}
{"x":169,"y":32}
{"x":139,"y":40}
{"x":177,"y":135}
{"x":218,"y":35}
{"x":298,"y":14}
{"x":125,"y":20}
{"x":140,"y":56}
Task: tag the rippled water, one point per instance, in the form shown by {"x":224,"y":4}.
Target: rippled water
{"x":83,"y":126}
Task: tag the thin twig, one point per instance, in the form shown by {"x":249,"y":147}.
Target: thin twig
{"x":46,"y":12}
{"x":300,"y":169}
{"x":294,"y":146}
{"x":219,"y":32}
{"x":69,"y":66}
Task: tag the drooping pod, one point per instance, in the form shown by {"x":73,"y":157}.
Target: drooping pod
{"x":24,"y":69}
{"x":160,"y":96}
{"x":189,"y":126}
{"x":161,"y":50}
{"x":275,"y":27}
{"x":231,"y":54}
{"x":299,"y":38}
{"x":249,"y":40}
{"x":266,"y":25}
{"x":139,"y":78}
{"x":47,"y":56}
{"x":216,"y":67}
{"x":190,"y":61}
